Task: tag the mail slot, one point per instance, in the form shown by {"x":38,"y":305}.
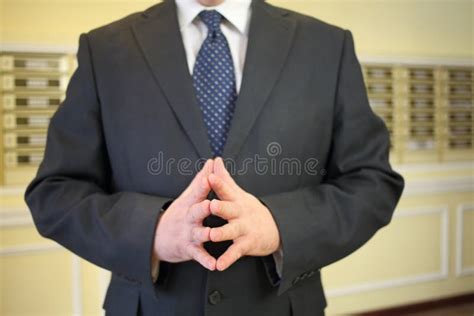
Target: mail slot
{"x":14,"y":120}
{"x":35,"y":82}
{"x":33,"y":101}
{"x":14,"y":159}
{"x":25,"y":140}
{"x":35,"y":63}
{"x":421,"y":74}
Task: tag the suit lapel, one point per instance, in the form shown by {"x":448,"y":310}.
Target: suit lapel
{"x":270,"y":39}
{"x":159,"y":38}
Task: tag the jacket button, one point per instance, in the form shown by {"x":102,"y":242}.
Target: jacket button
{"x":215,"y":298}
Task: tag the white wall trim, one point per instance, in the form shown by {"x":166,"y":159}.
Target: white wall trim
{"x":436,"y":186}
{"x":104,"y":280}
{"x":433,"y":167}
{"x":29,"y":249}
{"x":443,"y":212}
{"x":76,"y":285}
{"x":421,"y":61}
{"x":75,"y":268}
{"x":15,"y":217}
{"x":38,"y":48}
{"x":460,"y":269}
{"x":16,"y":190}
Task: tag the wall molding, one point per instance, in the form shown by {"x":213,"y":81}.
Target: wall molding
{"x":76,"y":270}
{"x":76,"y":287}
{"x":416,"y":60}
{"x":437,"y":186}
{"x":29,"y":249}
{"x":443,"y":213}
{"x":104,"y":276}
{"x":12,"y":190}
{"x":433,"y":167}
{"x":460,"y":269}
{"x":15,"y":217}
{"x":38,"y":48}
{"x":103,"y":280}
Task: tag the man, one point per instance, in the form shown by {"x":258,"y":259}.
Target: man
{"x":279,"y":96}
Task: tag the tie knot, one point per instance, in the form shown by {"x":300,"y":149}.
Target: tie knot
{"x":212,"y":19}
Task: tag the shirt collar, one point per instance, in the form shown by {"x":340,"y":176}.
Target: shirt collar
{"x":237,"y":12}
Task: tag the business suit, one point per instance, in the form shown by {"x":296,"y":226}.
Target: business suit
{"x":132,"y":98}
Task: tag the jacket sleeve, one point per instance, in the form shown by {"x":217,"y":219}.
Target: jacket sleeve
{"x":323,"y":223}
{"x":70,"y":198}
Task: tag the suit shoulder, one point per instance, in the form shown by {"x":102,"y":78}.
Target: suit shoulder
{"x":308,"y":22}
{"x":121,"y":24}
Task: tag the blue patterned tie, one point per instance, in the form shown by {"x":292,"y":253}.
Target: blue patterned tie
{"x":214,"y":82}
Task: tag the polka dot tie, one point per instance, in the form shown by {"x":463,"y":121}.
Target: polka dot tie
{"x":214,"y":82}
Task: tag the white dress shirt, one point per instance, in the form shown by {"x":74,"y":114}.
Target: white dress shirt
{"x":235,"y":27}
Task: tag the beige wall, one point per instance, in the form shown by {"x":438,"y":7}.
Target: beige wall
{"x":420,"y":28}
{"x":2,"y":19}
{"x":422,"y":255}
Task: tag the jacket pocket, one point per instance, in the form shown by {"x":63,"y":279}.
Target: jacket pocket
{"x":307,"y":297}
{"x":121,"y":298}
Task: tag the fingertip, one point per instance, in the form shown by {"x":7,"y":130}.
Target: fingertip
{"x":206,"y":203}
{"x":214,"y":206}
{"x":219,"y":161}
{"x":220,"y":169}
{"x":214,"y":235}
{"x":209,"y":165}
{"x":206,"y":168}
{"x":220,"y":266}
{"x":212,"y":264}
{"x":208,"y":233}
{"x":212,"y":177}
{"x":215,"y":182}
{"x":205,"y":184}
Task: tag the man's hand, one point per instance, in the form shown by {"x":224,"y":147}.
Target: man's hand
{"x":180,"y":233}
{"x":250,"y":224}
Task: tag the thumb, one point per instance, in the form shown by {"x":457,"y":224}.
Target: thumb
{"x":199,"y":187}
{"x":221,"y":172}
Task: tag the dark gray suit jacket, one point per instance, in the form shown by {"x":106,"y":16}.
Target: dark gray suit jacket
{"x":99,"y":189}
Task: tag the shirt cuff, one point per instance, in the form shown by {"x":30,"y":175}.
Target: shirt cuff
{"x":278,"y":258}
{"x":155,"y":264}
{"x":155,"y":269}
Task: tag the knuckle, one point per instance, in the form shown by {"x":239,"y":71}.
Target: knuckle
{"x":219,"y":233}
{"x":237,"y":254}
{"x":230,"y":228}
{"x":192,"y":216}
{"x":238,"y":228}
{"x":189,"y":249}
{"x":204,"y":234}
{"x":198,"y":256}
{"x":186,"y":251}
{"x":214,"y":234}
{"x":195,"y":234}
